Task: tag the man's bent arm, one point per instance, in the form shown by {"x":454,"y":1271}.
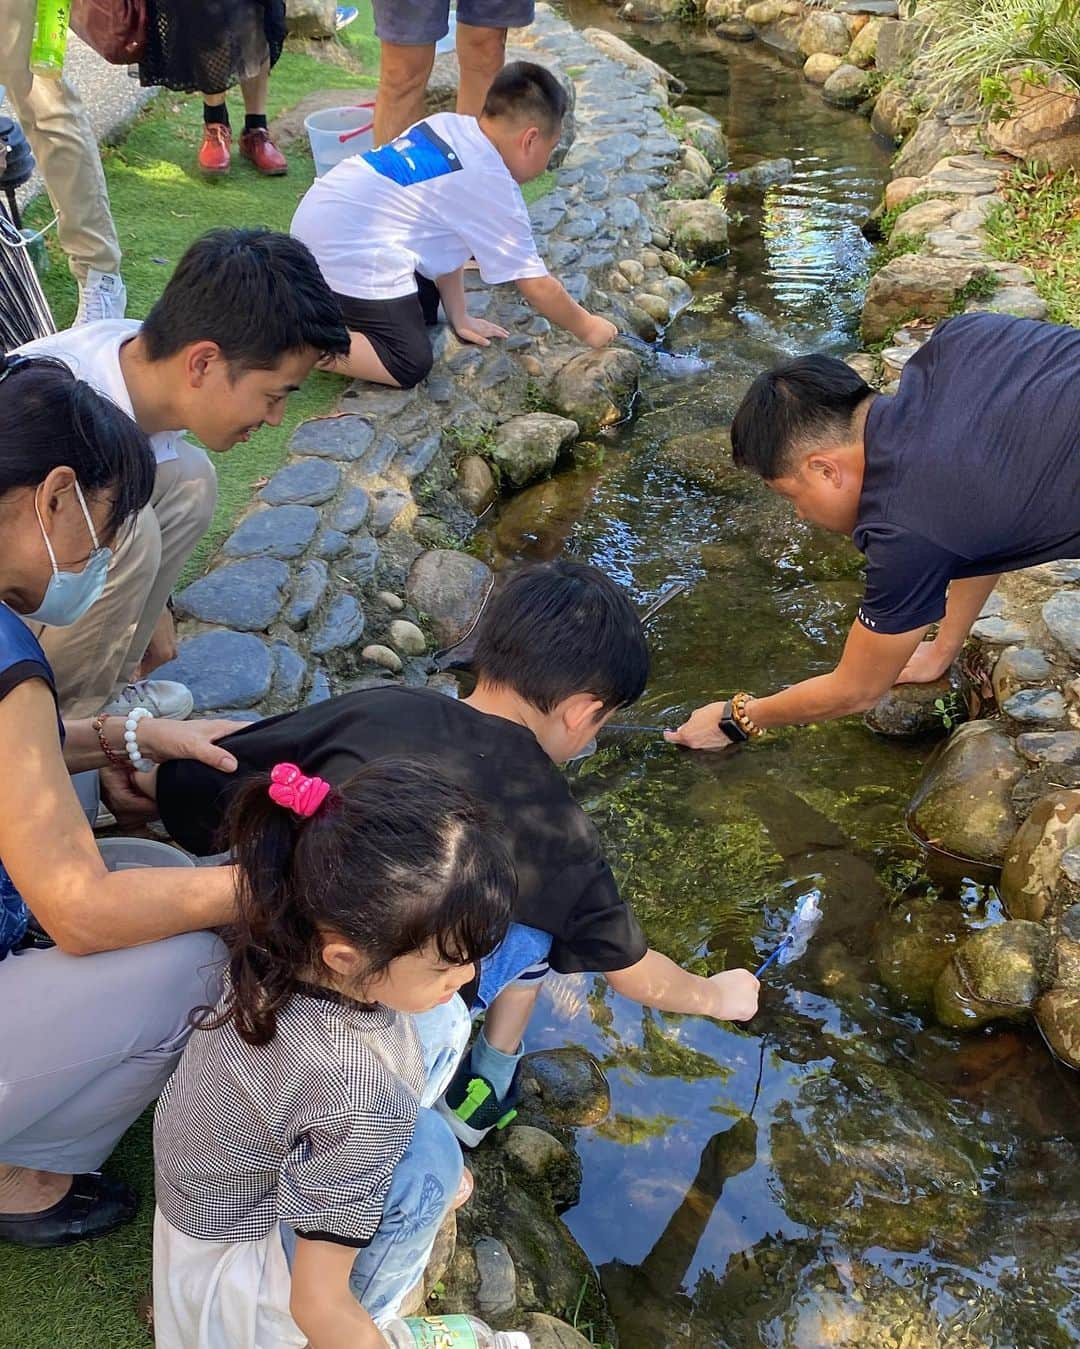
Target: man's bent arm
{"x":868,"y":668}
{"x":966,"y":599}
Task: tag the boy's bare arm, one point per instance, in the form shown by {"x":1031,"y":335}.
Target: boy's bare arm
{"x":656,"y":981}
{"x":321,"y":1303}
{"x":549,"y":297}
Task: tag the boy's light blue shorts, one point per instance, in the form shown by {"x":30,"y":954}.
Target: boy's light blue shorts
{"x":419,"y":23}
{"x":520,"y":958}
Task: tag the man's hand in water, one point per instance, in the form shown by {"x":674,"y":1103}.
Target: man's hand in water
{"x":701,"y":730}
{"x":736,"y":993}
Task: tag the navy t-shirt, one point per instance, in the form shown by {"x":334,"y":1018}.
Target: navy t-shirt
{"x":972,"y":467}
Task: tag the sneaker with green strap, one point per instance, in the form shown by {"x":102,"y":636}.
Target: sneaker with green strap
{"x":471,"y":1107}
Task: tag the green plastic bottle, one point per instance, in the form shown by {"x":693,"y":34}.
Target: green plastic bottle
{"x":450,"y":1332}
{"x":50,"y":38}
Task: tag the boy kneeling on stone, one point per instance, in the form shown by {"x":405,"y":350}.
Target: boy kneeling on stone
{"x":559,"y":650}
{"x":392,"y":229}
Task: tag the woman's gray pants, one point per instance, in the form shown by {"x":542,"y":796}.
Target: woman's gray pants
{"x":87,"y":1042}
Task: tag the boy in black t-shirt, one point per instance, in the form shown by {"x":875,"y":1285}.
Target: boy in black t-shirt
{"x":559,"y":650}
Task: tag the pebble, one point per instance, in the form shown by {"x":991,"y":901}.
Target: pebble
{"x":393,"y":602}
{"x":407,"y":637}
{"x":632,"y":269}
{"x":343,"y":624}
{"x":378,"y":654}
{"x":334,"y":437}
{"x":999,"y":631}
{"x":246,"y":596}
{"x":1050,"y":746}
{"x":275,"y":531}
{"x":308,"y":483}
{"x":497,"y":1294}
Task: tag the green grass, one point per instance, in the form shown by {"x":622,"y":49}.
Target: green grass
{"x":160,"y":203}
{"x":539,"y":187}
{"x":85,"y":1297}
{"x":1039,"y":226}
{"x":360,"y":37}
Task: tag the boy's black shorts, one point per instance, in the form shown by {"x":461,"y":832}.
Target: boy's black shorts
{"x":397,"y":329}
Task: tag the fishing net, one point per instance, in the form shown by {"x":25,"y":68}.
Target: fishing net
{"x":24,"y":313}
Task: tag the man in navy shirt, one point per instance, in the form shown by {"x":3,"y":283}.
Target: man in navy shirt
{"x":971,"y":469}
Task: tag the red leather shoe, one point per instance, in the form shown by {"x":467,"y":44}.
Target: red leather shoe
{"x":257,"y":146}
{"x":215,"y":153}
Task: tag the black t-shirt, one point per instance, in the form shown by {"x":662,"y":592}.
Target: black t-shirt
{"x":972,"y":467}
{"x":565,"y":886}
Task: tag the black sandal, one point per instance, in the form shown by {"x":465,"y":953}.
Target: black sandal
{"x":92,"y":1206}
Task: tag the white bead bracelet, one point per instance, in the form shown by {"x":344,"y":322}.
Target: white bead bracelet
{"x":131,"y":739}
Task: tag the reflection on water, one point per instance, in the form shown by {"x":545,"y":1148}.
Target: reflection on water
{"x":840,"y":1172}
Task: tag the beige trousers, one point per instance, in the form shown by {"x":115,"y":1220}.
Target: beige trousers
{"x":93,"y":658}
{"x":62,"y":138}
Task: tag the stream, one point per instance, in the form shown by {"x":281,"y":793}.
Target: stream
{"x":841,"y":1171}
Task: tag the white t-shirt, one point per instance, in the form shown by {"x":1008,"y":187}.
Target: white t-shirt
{"x":92,"y":352}
{"x":420,"y":204}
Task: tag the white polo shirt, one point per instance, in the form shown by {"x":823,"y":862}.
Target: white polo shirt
{"x":92,"y":353}
{"x":427,"y":202}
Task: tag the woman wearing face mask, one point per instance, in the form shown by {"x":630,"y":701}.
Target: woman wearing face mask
{"x":98,"y":971}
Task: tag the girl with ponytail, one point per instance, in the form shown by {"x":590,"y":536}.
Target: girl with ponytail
{"x":296,"y":1131}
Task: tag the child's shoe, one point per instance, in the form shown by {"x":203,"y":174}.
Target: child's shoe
{"x":471,"y":1107}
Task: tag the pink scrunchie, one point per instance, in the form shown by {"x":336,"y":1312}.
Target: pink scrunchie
{"x":290,"y":788}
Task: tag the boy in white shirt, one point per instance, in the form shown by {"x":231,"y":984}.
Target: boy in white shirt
{"x":388,"y":226}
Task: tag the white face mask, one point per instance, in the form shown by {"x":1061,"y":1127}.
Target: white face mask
{"x":70,"y":593}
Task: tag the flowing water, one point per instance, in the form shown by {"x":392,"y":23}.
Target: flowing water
{"x":841,"y":1171}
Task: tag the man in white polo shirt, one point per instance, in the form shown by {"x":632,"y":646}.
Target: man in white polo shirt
{"x":239,"y":326}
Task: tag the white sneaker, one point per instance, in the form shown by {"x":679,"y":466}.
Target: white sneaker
{"x":163,"y":697}
{"x":101,"y":296}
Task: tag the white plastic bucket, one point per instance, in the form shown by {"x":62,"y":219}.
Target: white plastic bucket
{"x":449,"y":42}
{"x":337,"y":133}
{"x":124,"y":854}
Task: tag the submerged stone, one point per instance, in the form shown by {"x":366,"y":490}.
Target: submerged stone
{"x":964,"y":804}
{"x":563,"y":1087}
{"x":913,"y":944}
{"x":878,"y":1157}
{"x":996,"y":975}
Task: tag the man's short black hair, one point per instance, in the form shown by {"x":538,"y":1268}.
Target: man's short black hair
{"x":560,"y":628}
{"x":258,"y":294}
{"x":528,"y":93}
{"x":797,"y":405}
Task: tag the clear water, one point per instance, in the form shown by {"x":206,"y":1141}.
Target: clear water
{"x":840,"y":1171}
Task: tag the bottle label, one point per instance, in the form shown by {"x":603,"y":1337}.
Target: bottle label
{"x":442,"y":1332}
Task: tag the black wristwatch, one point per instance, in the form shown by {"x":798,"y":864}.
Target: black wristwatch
{"x":731,"y":727}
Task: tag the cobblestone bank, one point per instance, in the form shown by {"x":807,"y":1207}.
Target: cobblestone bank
{"x":344,"y":571}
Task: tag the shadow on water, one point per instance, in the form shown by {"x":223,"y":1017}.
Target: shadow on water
{"x":897,"y":1185}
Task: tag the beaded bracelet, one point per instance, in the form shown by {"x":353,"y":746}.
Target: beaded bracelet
{"x":131,"y":739}
{"x":741,"y":717}
{"x":97,"y":725}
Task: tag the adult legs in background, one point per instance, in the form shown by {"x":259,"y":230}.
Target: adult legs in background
{"x":94,"y":658}
{"x":481,"y":55}
{"x":88,"y":1043}
{"x":64,"y":144}
{"x":255,"y":143}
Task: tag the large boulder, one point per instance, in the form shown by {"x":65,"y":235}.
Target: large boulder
{"x":311,"y":18}
{"x":846,"y":87}
{"x":898,"y":40}
{"x":698,"y":228}
{"x":596,"y":388}
{"x":705,"y":131}
{"x":529,"y":446}
{"x":963,"y":806}
{"x":878,"y":1157}
{"x":995,"y":975}
{"x":912,"y":709}
{"x":1045,"y":121}
{"x":863,"y":48}
{"x":1032,"y":874}
{"x":916,"y":284}
{"x":450,"y":588}
{"x":563,"y":1087}
{"x":924,"y":216}
{"x":824,"y":31}
{"x":933,"y":140}
{"x":818,"y":67}
{"x":894,"y":115}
